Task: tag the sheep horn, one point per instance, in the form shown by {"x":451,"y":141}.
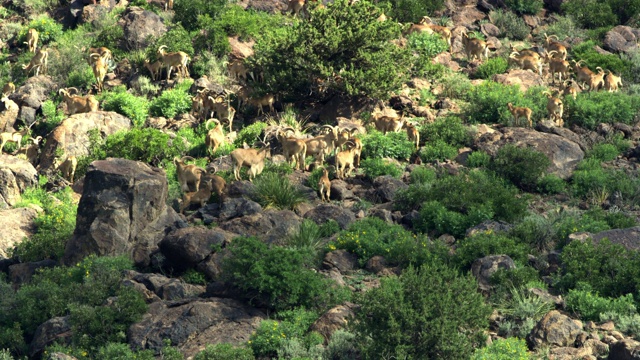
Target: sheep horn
{"x":187,"y":157}
{"x":76,"y":90}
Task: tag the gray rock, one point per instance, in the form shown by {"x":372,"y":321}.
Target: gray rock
{"x":619,"y":39}
{"x":57,"y":329}
{"x":190,"y":325}
{"x":489,"y":226}
{"x":122,"y":211}
{"x":325,"y":212}
{"x":387,"y":186}
{"x":629,"y":238}
{"x":340,"y":259}
{"x":484,"y":267}
{"x":140,"y":27}
{"x":334,"y":319}
{"x":32,"y":94}
{"x":185,"y":248}
{"x":16,"y":175}
{"x":270,"y":226}
{"x":22,"y":273}
{"x":627,"y":349}
{"x":340,"y":190}
{"x":16,"y":224}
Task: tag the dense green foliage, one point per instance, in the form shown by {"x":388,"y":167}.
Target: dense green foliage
{"x":125,"y":103}
{"x":172,"y":102}
{"x":410,"y":10}
{"x":510,"y":25}
{"x":503,"y":349}
{"x":277,"y":277}
{"x":525,"y":6}
{"x":591,"y":109}
{"x":333,"y":42}
{"x":393,"y":317}
{"x":393,"y":145}
{"x":450,"y":130}
{"x":485,"y":244}
{"x":522,"y":166}
{"x":372,"y":168}
{"x":589,"y":305}
{"x":274,"y":190}
{"x":493,"y":66}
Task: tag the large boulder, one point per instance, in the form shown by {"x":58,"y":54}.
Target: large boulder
{"x":627,"y":349}
{"x":484,"y":267}
{"x":563,"y":153}
{"x":192,"y":325}
{"x":334,"y":319}
{"x":57,"y":329}
{"x":621,"y":38}
{"x":8,"y":114}
{"x":630,"y":237}
{"x":186,"y":247}
{"x":15,"y":176}
{"x":325,"y":212}
{"x":523,"y":78}
{"x":387,"y":186}
{"x":16,"y":224}
{"x":140,"y":27}
{"x":270,"y":226}
{"x":240,"y":49}
{"x":122,"y":211}
{"x":71,"y":137}
{"x":32,"y":94}
{"x":161,"y":286}
{"x":554,"y":329}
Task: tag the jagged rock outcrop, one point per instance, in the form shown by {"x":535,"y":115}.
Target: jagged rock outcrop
{"x":484,"y":267}
{"x":15,"y":176}
{"x":621,"y":38}
{"x":57,"y":329}
{"x":270,"y":226}
{"x":325,"y":212}
{"x":140,"y":27}
{"x":8,"y":115}
{"x":563,"y":153}
{"x":122,"y":212}
{"x":629,"y":238}
{"x":32,"y":94}
{"x":192,"y":325}
{"x":186,"y":247}
{"x":334,"y":319}
{"x":71,"y":137}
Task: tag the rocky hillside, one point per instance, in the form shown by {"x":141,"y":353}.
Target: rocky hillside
{"x":291,"y":179}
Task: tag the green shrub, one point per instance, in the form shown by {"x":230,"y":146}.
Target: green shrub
{"x":587,"y":51}
{"x":551,"y":184}
{"x":277,"y":277}
{"x":487,"y":102}
{"x":376,"y":145}
{"x":450,"y":130}
{"x":423,"y":175}
{"x":65,"y":59}
{"x":522,"y":277}
{"x":393,"y":317}
{"x":511,"y":26}
{"x":55,"y":225}
{"x":188,"y":13}
{"x":372,"y":236}
{"x":110,"y":37}
{"x":52,"y":118}
{"x":588,"y":305}
{"x":271,"y":334}
{"x":249,"y":134}
{"x":531,"y":7}
{"x":590,"y":14}
{"x":610,"y":269}
{"x":176,"y":39}
{"x":5,"y":355}
{"x":147,"y":145}
{"x":603,"y":152}
{"x":493,"y":66}
{"x":211,"y":40}
{"x":426,"y":46}
{"x":436,"y":218}
{"x":81,"y":79}
{"x":172,"y":102}
{"x":587,"y":180}
{"x":522,"y":166}
{"x":503,"y":349}
{"x":456,"y":85}
{"x":274,"y":190}
{"x":122,"y":351}
{"x":437,"y":150}
{"x":247,"y":24}
{"x":225,"y":352}
{"x":522,"y":310}
{"x":48,"y":29}
{"x":308,"y":237}
{"x":410,"y":10}
{"x":564,"y":27}
{"x":342,"y":346}
{"x":36,"y":7}
{"x":629,"y":324}
{"x":372,"y":168}
{"x":478,"y":159}
{"x":292,"y":56}
{"x":127,"y":104}
{"x":485,"y":244}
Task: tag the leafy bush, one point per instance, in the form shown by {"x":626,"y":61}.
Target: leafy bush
{"x":590,"y":14}
{"x":110,"y":37}
{"x":423,"y":175}
{"x":478,"y":159}
{"x":485,"y":244}
{"x":531,"y":7}
{"x":249,"y":134}
{"x":121,"y":351}
{"x":426,"y":46}
{"x":587,"y":51}
{"x":493,"y":66}
{"x":610,"y":269}
{"x":487,"y":102}
{"x":308,"y":237}
{"x":551,"y":184}
{"x":629,"y":324}
{"x":176,"y":39}
{"x":564,"y":27}
{"x":342,"y":346}
{"x":225,"y":352}
{"x":127,"y":104}
{"x":48,"y":29}
{"x":603,"y":152}
{"x":437,"y":150}
{"x":410,"y":10}
{"x":522,"y":166}
{"x":211,"y":40}
{"x":450,"y":130}
{"x":503,"y":349}
{"x":376,"y":145}
{"x":247,"y":24}
{"x":277,"y":277}
{"x":54,"y":225}
{"x":147,"y":145}
{"x":274,"y":190}
{"x":589,"y":305}
{"x":271,"y":334}
{"x":187,"y":13}
{"x":372,"y":236}
{"x":393,"y":317}
{"x":456,"y":85}
{"x":587,"y":179}
{"x":172,"y":102}
{"x":343,"y":38}
{"x":510,"y":25}
{"x":372,"y":168}
{"x":36,"y":7}
{"x":65,"y":59}
{"x":79,"y":291}
{"x":522,"y":310}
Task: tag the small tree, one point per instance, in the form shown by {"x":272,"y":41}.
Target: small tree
{"x":342,"y":45}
